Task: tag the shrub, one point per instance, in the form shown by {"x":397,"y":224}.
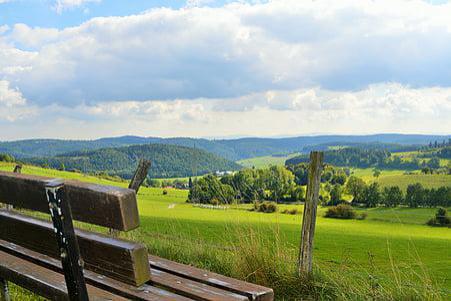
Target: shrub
{"x":343,"y":211}
{"x":266,"y":207}
{"x":293,"y":211}
{"x":441,"y":219}
{"x":362,"y":216}
{"x":215,"y":202}
{"x":165,"y":192}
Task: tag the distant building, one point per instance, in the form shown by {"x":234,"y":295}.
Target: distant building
{"x":223,"y":173}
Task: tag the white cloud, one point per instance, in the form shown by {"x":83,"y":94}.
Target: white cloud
{"x":62,"y":5}
{"x":313,"y":66}
{"x":239,"y":49}
{"x":12,"y":103}
{"x":378,"y":108}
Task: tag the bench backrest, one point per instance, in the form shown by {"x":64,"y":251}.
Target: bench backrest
{"x":107,"y":206}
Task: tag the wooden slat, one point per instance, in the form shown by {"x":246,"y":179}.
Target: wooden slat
{"x":251,"y":291}
{"x":193,"y":289}
{"x":118,"y":259}
{"x":145,"y":292}
{"x":43,"y":281}
{"x":107,"y":206}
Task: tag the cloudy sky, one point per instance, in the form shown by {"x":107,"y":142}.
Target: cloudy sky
{"x":206,"y":68}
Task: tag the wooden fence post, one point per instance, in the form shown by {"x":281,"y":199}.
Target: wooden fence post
{"x":140,"y":175}
{"x":309,"y":218}
{"x":138,"y":178}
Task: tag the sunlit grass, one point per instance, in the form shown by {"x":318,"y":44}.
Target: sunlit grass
{"x":392,"y":247}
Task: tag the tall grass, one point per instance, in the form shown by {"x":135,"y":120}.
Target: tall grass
{"x":250,"y":254}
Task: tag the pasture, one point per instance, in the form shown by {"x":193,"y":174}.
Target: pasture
{"x":391,"y":254}
{"x":265,"y":161}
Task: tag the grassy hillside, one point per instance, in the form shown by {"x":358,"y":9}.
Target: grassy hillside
{"x":167,"y":161}
{"x":390,"y":255}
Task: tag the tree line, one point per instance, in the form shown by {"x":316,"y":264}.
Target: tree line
{"x":371,"y":195}
{"x":380,"y":158}
{"x":276,"y":183}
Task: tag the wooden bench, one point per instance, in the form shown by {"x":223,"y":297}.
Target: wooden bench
{"x":60,"y":262}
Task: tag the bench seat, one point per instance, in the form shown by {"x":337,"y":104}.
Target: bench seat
{"x":169,"y":281}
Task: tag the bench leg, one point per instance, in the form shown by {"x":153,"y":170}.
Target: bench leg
{"x":67,"y":241}
{"x":4,"y":293}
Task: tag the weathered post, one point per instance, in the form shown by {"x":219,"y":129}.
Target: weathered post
{"x":140,"y":175}
{"x":18,"y":168}
{"x":309,"y":218}
{"x":136,"y":182}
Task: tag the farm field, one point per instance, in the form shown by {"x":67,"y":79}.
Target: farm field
{"x":392,"y":251}
{"x":265,"y":161}
{"x":399,"y":178}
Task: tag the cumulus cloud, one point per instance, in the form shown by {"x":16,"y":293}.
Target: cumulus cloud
{"x":12,"y":103}
{"x":314,"y":66}
{"x":239,"y":49}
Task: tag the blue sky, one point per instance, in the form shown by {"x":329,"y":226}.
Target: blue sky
{"x":209,"y":68}
{"x":43,"y":13}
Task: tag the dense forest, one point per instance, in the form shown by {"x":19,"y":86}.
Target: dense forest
{"x":167,"y":161}
{"x":232,"y":149}
{"x":379,"y":158}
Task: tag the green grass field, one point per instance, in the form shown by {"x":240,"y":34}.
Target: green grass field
{"x":399,"y":178}
{"x":391,"y":254}
{"x":265,"y":161}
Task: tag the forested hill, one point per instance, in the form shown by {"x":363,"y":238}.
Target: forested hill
{"x":232,"y":149}
{"x":167,"y":161}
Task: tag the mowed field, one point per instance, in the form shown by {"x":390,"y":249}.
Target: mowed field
{"x":391,"y":252}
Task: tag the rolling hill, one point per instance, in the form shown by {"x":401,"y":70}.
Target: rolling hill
{"x":232,"y":149}
{"x":167,"y":161}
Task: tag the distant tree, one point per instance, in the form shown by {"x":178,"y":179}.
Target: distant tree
{"x":298,"y":193}
{"x":376,"y":173}
{"x":336,"y":195}
{"x":190,"y":182}
{"x":392,"y":196}
{"x":339,"y":178}
{"x":279,"y":181}
{"x":414,"y":195}
{"x":356,"y":187}
{"x":434,"y":163}
{"x":372,"y":195}
{"x":441,"y":218}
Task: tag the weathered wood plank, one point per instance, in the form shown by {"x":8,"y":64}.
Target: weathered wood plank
{"x":309,"y":217}
{"x":118,"y":259}
{"x":192,"y":289}
{"x":144,"y":292}
{"x":250,"y":290}
{"x":107,"y":206}
{"x":42,"y":281}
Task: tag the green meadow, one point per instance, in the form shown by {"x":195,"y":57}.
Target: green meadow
{"x":390,"y":255}
{"x":265,"y":161}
